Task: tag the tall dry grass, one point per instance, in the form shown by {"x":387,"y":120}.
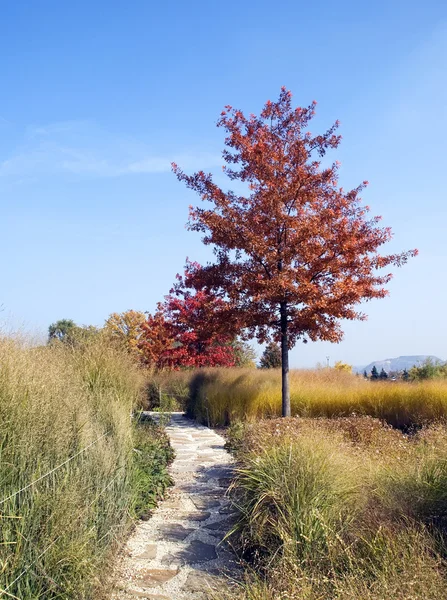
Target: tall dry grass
{"x":57,"y":403}
{"x":223,"y":396}
{"x":344,"y":509}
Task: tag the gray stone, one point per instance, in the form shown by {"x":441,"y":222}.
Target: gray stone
{"x":193,"y":516}
{"x":201,"y":488}
{"x":218,"y":472}
{"x":227,"y":509}
{"x":174,"y":532}
{"x":154,"y":577}
{"x":198,"y":552}
{"x":173,"y":560}
{"x":172,"y":502}
{"x":219,"y":535}
{"x":183,"y":468}
{"x":224,"y":525}
{"x":204,"y":503}
{"x":198,"y":581}
{"x":149,"y":552}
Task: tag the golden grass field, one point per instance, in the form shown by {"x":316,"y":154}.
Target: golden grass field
{"x":223,"y":396}
{"x":347,"y":500}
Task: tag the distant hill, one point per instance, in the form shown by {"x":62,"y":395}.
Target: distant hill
{"x":397,"y":364}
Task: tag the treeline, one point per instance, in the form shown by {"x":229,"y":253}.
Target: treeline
{"x":186,"y":331}
{"x":429,"y":369}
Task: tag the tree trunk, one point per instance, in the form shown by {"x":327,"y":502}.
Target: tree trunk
{"x":285,"y":361}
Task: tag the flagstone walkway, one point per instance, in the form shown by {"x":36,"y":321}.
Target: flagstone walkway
{"x":177,"y":554}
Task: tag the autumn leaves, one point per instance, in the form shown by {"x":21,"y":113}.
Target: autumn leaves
{"x":293,"y":257}
{"x":297,"y":254}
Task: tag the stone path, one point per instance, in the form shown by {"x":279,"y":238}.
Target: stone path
{"x":177,"y":554}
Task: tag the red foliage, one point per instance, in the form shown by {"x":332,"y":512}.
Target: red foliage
{"x":298,"y":253}
{"x":155,"y":340}
{"x":186,"y":331}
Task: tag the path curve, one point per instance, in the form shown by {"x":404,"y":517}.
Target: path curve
{"x":177,"y":554}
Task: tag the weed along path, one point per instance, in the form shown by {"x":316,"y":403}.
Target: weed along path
{"x":177,"y":554}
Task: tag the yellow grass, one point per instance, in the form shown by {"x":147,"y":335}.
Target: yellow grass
{"x":221,"y":396}
{"x":61,"y":404}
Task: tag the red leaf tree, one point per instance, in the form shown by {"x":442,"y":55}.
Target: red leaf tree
{"x":187,"y":331}
{"x":297,"y":253}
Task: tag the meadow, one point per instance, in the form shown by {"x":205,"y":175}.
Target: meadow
{"x":224,"y":396}
{"x":345,"y":509}
{"x":75,"y":466}
{"x":346,"y":500}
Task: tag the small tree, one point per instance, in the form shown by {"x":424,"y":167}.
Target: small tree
{"x":374,"y":373}
{"x":271,"y":357}
{"x":189,"y":330}
{"x":156,"y":341}
{"x":67,"y":332}
{"x":365,"y":374}
{"x":429,"y":369}
{"x":344,"y":367}
{"x":405,"y":375}
{"x":383,"y":374}
{"x":127,"y":328}
{"x":244,"y":354}
{"x":63,"y":330}
{"x":296,"y":254}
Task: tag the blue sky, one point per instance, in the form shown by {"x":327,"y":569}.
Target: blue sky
{"x":99,"y":97}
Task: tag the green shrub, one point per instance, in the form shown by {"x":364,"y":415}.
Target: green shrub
{"x":150,"y":477}
{"x":428,"y":370}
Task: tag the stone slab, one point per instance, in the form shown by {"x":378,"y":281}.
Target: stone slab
{"x":198,"y":552}
{"x":174,"y":532}
{"x":149,"y":553}
{"x":217,"y":473}
{"x":155,"y":577}
{"x":193,"y":516}
{"x":183,"y":468}
{"x":173,"y":502}
{"x":147,"y":596}
{"x":197,"y":581}
{"x":223,"y":525}
{"x":204,"y":503}
{"x":227,"y":509}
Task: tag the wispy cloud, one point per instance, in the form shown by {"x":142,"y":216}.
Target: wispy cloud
{"x":153,"y":164}
{"x":83,"y":149}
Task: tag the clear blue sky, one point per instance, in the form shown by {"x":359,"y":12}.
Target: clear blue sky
{"x":99,"y":97}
